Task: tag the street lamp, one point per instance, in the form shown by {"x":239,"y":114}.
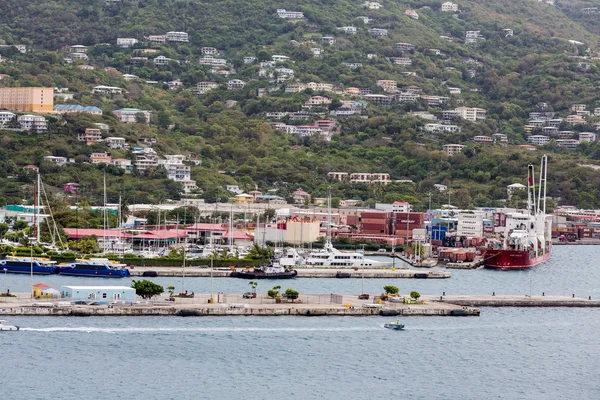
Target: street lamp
{"x":5,"y":285}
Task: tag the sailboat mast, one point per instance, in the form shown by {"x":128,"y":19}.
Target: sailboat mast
{"x":36,"y":216}
{"x":104,"y":218}
{"x":231,"y":230}
{"x":329,"y":215}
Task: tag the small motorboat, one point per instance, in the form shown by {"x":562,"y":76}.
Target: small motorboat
{"x":396,"y":326}
{"x":4,"y":327}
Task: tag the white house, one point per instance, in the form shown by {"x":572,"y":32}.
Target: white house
{"x":6,"y":117}
{"x":282,"y":13}
{"x":350,"y":30}
{"x":59,"y":161}
{"x":235,"y":84}
{"x":538,"y":140}
{"x":34,"y":123}
{"x":449,"y":7}
{"x":177,"y":37}
{"x":372,"y":5}
{"x":107,"y":90}
{"x":378,"y":32}
{"x":115,"y":142}
{"x":131,"y":115}
{"x":126,"y":42}
{"x":209,"y":50}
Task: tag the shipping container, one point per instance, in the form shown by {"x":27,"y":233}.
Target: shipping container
{"x":378,"y":215}
{"x":415,"y":218}
{"x":374,"y":221}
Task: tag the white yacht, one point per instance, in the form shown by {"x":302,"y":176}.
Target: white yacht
{"x":329,"y":256}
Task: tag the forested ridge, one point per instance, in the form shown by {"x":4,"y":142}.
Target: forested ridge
{"x":548,"y":64}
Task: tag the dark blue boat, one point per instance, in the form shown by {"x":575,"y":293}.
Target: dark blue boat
{"x":27,"y":265}
{"x":98,"y":268}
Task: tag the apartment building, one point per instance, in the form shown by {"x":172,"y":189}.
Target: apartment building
{"x":452,"y":149}
{"x":27,"y":99}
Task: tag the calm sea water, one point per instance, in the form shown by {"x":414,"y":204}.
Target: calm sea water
{"x":570,"y":270}
{"x":504,"y":354}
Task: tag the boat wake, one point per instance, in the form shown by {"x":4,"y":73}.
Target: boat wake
{"x":90,"y":329}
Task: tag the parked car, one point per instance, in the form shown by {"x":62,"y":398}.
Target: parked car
{"x":249,"y":295}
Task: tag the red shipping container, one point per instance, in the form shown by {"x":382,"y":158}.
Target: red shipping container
{"x":373,"y":221}
{"x":370,"y":214}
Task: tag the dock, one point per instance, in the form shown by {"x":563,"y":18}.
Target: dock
{"x":518,"y":301}
{"x":369,"y":273}
{"x":236,"y":304}
{"x":305,"y":305}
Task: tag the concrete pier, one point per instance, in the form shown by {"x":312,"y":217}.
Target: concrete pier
{"x":235,"y":304}
{"x":384,"y":273}
{"x":517,"y":301}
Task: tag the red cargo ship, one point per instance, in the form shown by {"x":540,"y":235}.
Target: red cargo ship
{"x":527,"y":238}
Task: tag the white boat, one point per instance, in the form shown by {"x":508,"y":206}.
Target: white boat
{"x":329,"y":256}
{"x":291,"y":258}
{"x":4,"y":327}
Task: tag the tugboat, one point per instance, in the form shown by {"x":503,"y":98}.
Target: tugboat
{"x":273,"y":270}
{"x":4,"y":327}
{"x":395,"y":326}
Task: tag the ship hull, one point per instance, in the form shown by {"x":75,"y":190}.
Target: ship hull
{"x":262,"y":275}
{"x":512,"y":259}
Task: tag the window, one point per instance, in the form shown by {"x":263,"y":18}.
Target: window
{"x":103,"y":295}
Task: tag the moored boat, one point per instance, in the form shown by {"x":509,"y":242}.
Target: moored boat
{"x":273,"y":270}
{"x":28,"y":265}
{"x":94,"y":267}
{"x":4,"y":327}
{"x":526,"y":240}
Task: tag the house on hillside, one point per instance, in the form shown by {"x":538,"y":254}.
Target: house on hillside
{"x":90,"y":136}
{"x":133,"y":115}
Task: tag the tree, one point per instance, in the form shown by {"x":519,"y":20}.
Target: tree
{"x":20,"y":225}
{"x":389,"y":289}
{"x":253,"y":285}
{"x":147,"y":289}
{"x":3,"y":229}
{"x":415,"y":295}
{"x":273,"y":293}
{"x":140,"y":118}
{"x":291,"y":294}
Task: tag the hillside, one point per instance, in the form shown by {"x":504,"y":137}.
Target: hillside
{"x":227,"y":137}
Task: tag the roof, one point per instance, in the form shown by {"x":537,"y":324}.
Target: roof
{"x":238,"y":235}
{"x":77,"y":107}
{"x":42,"y":286}
{"x":78,"y":233}
{"x":162,"y":234}
{"x":206,"y":227}
{"x":97,"y":287}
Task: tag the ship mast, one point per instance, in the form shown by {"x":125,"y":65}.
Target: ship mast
{"x":531,"y":208}
{"x":541,"y":207}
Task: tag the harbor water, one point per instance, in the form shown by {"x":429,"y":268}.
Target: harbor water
{"x":570,"y":270}
{"x":504,"y":354}
{"x":507,"y":353}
